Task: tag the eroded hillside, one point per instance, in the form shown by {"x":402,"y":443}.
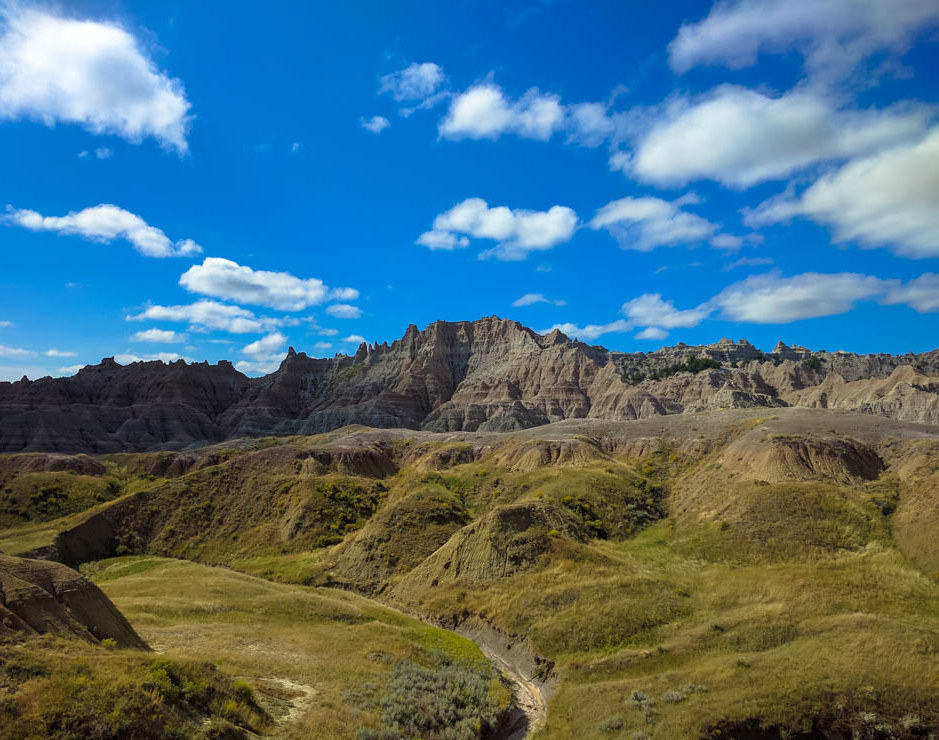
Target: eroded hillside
{"x":758,"y":573}
{"x":488,"y":375}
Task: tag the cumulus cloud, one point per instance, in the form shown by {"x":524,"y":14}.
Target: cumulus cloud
{"x":771,"y":298}
{"x":354,"y":339}
{"x":375,"y":124}
{"x":740,"y":137}
{"x":59,"y":353}
{"x":442,"y":240}
{"x":105,"y":223}
{"x":343,"y":311}
{"x":530,"y":299}
{"x":833,"y":36}
{"x":322,"y":345}
{"x":69,"y":369}
{"x":417,"y":81}
{"x":652,"y":332}
{"x":128,"y":358}
{"x":265,"y":345}
{"x":650,"y":310}
{"x":591,"y":331}
{"x":921,"y":294}
{"x":97,"y":75}
{"x":162,"y":336}
{"x":210,"y":315}
{"x":223,"y":278}
{"x":518,"y":232}
{"x":774,"y":299}
{"x":263,"y":355}
{"x":646,"y":223}
{"x":15,"y":351}
{"x":484,"y":112}
{"x":890,"y":199}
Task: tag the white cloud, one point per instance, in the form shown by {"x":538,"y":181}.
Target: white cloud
{"x":14,"y":351}
{"x":768,"y":299}
{"x":5,"y":324}
{"x":375,"y":124}
{"x":749,"y":262}
{"x":442,"y":240}
{"x":921,"y":294}
{"x":740,"y":137}
{"x":97,"y":75}
{"x":343,"y":311}
{"x":265,"y":345}
{"x":646,"y":223}
{"x":328,"y":332}
{"x":354,"y":339}
{"x":833,"y":35}
{"x":890,"y":199}
{"x":59,"y":353}
{"x":69,"y":369}
{"x":222,"y":278}
{"x":592,"y":331}
{"x":265,"y":354}
{"x":103,"y":152}
{"x":518,"y":232}
{"x":417,"y":81}
{"x":773,"y":299}
{"x":727,"y":241}
{"x":163,"y":336}
{"x":323,"y":345}
{"x":483,"y":112}
{"x":650,"y":310}
{"x":205,"y":314}
{"x":128,"y":358}
{"x":105,"y":223}
{"x":529,"y":299}
{"x":261,"y":366}
{"x":652,"y":332}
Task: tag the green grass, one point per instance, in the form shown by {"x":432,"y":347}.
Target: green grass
{"x":53,"y":687}
{"x":792,"y":603}
{"x":281,"y":637}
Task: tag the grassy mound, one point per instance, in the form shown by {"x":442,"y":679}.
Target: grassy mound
{"x":53,"y":687}
{"x":325,"y":663}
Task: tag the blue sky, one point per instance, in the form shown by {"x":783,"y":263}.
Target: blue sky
{"x":219,"y":181}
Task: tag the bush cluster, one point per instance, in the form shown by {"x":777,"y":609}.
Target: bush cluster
{"x":446,"y":702}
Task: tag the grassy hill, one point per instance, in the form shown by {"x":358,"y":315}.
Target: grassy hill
{"x":728,"y":574}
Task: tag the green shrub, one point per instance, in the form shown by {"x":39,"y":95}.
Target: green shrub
{"x":446,"y":702}
{"x":243,"y":690}
{"x":613,"y":723}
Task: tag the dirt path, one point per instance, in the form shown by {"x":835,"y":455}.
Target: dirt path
{"x":524,"y":670}
{"x":532,"y":706}
{"x":529,"y":674}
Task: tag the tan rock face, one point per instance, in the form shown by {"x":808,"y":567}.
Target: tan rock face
{"x":486,"y":375}
{"x":37,"y":596}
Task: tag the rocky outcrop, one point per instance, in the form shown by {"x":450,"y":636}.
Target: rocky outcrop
{"x":38,"y":596}
{"x":489,"y":375}
{"x":507,"y":540}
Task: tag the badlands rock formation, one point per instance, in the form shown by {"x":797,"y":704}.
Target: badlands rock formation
{"x":485,"y":375}
{"x":37,"y":596}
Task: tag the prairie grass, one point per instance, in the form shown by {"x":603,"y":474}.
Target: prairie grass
{"x":321,"y":645}
{"x":54,"y":687}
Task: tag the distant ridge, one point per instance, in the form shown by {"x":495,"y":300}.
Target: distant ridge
{"x":491,"y":374}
